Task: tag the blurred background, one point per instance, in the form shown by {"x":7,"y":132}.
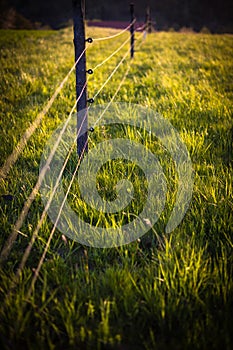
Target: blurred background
{"x":215,"y":15}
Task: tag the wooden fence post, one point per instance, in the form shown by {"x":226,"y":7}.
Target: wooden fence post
{"x":79,"y":47}
{"x":132,"y":30}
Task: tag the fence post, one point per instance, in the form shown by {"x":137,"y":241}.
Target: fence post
{"x":79,"y":47}
{"x":148,"y":20}
{"x":132,"y":30}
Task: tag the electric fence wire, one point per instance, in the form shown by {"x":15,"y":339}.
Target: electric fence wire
{"x":37,"y":270}
{"x":27,"y":252}
{"x":114,"y":53}
{"x":113,"y":72}
{"x":16,"y":229}
{"x":13,"y":157}
{"x":117,"y":34}
{"x":143,"y":39}
{"x":44,"y":213}
{"x":46,"y":208}
{"x":11,"y":160}
{"x":22,"y":217}
{"x":119,"y":86}
{"x":116,"y":92}
{"x":143,"y":27}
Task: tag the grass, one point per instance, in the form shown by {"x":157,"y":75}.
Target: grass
{"x":159,"y":292}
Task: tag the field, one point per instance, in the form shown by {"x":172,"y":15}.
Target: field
{"x":162,"y":291}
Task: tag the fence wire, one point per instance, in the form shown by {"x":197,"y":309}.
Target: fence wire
{"x":11,"y":160}
{"x":16,"y":229}
{"x":117,"y":34}
{"x":37,"y":270}
{"x":113,"y":54}
{"x":27,"y":204}
{"x":35,"y":190}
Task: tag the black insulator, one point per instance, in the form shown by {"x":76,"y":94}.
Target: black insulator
{"x":89,"y":40}
{"x":90,"y":100}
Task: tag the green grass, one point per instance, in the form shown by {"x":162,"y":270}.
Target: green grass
{"x":163,"y":291}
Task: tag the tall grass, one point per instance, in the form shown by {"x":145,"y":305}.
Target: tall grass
{"x":161,"y":291}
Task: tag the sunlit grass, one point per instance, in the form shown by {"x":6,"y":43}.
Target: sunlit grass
{"x":162,"y":291}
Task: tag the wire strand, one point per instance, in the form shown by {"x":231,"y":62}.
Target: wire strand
{"x":11,"y":239}
{"x":36,"y":273}
{"x":110,"y":76}
{"x":115,"y":35}
{"x":114,"y":53}
{"x":112,"y":99}
{"x":16,"y":229}
{"x":43,"y":215}
{"x":24,"y":212}
{"x":143,"y":27}
{"x":7,"y":247}
{"x":13,"y":157}
{"x":143,"y":39}
{"x":31,"y":198}
{"x":40,"y":222}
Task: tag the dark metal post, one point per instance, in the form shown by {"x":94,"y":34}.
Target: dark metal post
{"x":132,"y":31}
{"x":79,"y":47}
{"x":148,"y":20}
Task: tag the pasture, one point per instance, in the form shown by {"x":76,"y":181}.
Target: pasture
{"x":162,"y":291}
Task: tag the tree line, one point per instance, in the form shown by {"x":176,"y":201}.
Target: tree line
{"x":214,"y":14}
